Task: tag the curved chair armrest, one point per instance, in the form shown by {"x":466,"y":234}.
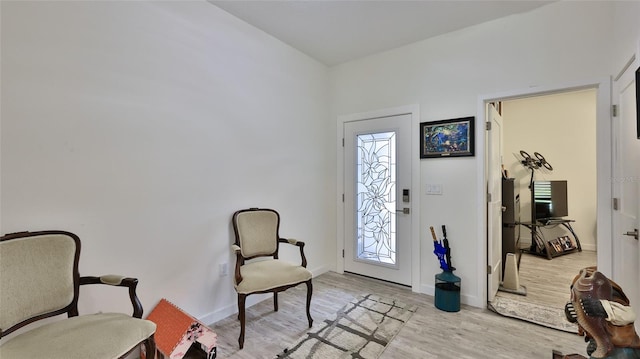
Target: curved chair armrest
{"x":292,"y":241}
{"x":298,"y":243}
{"x":119,"y":281}
{"x":239,"y":262}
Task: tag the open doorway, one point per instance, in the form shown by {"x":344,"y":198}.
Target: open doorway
{"x":557,"y":132}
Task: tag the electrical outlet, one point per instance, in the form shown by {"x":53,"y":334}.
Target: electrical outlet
{"x":224,"y":269}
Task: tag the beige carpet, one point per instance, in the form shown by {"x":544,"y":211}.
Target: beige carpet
{"x":361,"y":329}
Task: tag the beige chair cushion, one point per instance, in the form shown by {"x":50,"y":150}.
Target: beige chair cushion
{"x":95,"y":336}
{"x":268,"y":274}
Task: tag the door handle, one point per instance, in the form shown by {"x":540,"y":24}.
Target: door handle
{"x":404,"y":210}
{"x":633,"y":234}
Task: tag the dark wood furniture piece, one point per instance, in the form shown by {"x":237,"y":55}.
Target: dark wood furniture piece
{"x":40,"y":279}
{"x":257,"y":237}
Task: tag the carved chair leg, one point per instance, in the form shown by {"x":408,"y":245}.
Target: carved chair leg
{"x":275,"y":301}
{"x":150,"y":348}
{"x":241,"y":301}
{"x":309,"y":292}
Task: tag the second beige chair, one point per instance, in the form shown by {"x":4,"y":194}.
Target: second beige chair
{"x":257,"y":237}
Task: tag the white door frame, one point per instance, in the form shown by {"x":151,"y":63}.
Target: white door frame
{"x":412,"y":110}
{"x":494,"y":257}
{"x":623,"y":245}
{"x":603,"y":169}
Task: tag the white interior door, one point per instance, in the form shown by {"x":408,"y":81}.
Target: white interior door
{"x":626,"y":187}
{"x":377,"y":176}
{"x":494,"y":202}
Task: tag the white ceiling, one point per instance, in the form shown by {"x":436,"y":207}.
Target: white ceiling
{"x":334,"y":32}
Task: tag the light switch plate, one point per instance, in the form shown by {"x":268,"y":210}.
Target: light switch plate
{"x":434,"y":189}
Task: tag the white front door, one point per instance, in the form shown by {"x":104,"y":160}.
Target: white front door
{"x":377,"y":201}
{"x":626,"y":182}
{"x":494,"y":202}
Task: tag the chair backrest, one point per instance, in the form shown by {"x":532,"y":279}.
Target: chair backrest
{"x":256,"y":232}
{"x":38,"y":277}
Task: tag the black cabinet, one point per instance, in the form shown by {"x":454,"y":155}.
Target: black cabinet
{"x":510,"y":220}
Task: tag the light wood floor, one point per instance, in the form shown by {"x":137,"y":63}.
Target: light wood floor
{"x":548,"y":281}
{"x":471,"y":333}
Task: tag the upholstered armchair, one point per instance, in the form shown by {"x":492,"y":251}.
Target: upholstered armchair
{"x":257,"y":237}
{"x":39,"y":279}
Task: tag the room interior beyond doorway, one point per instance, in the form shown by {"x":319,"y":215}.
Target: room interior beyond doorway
{"x":562,"y":127}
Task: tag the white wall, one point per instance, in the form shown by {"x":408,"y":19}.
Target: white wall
{"x":446,"y":75}
{"x":626,"y":33}
{"x":145,"y":125}
{"x":561,"y":127}
{"x":142,"y":127}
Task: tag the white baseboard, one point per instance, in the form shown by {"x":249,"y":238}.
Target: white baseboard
{"x":588,"y":247}
{"x":474,"y":301}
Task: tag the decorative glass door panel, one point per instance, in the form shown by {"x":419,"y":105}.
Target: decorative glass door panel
{"x":376,"y":198}
{"x":377,"y":213}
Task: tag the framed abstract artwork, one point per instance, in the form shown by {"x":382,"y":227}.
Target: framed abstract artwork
{"x":447,"y":138}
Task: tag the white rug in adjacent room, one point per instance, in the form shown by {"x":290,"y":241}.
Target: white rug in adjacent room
{"x":534,"y":313}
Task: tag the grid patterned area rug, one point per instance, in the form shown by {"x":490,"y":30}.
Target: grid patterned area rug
{"x":534,"y":313}
{"x":361,"y":329}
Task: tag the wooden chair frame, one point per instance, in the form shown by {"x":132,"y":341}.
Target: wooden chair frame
{"x":240,"y":261}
